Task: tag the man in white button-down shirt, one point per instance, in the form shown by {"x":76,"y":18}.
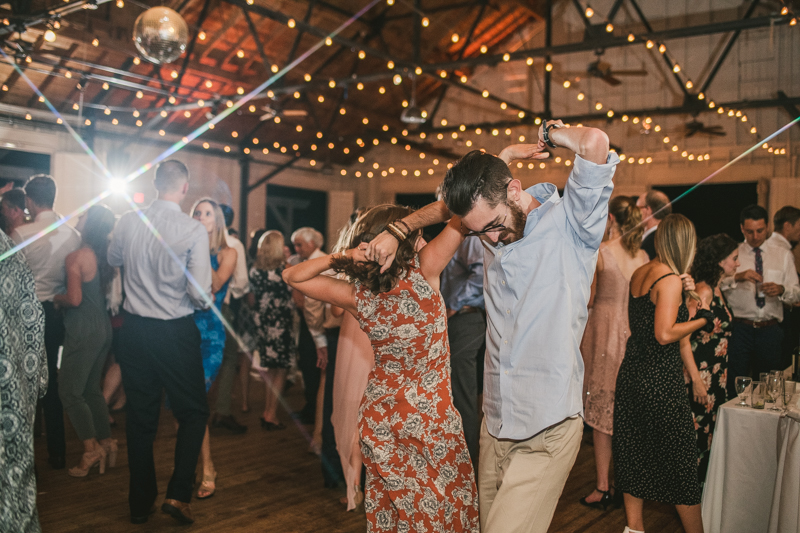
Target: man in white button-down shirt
{"x":540,"y":257}
{"x":766,"y":279}
{"x":46,"y":256}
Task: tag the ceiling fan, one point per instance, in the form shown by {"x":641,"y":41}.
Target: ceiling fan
{"x":602,"y":70}
{"x":271,"y":112}
{"x":695,"y":127}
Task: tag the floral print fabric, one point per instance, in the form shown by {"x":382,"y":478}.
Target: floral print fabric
{"x":274,"y":318}
{"x":419,"y":473}
{"x":711,"y":356}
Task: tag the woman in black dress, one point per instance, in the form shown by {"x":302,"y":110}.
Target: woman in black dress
{"x":654,"y":446}
{"x":717,"y":256}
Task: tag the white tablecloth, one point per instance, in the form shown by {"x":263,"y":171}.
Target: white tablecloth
{"x":748,"y":447}
{"x":785,"y":515}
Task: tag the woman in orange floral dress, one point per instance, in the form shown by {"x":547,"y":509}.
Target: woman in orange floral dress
{"x":419,"y":473}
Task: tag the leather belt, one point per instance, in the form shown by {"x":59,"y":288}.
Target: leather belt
{"x":756,"y":324}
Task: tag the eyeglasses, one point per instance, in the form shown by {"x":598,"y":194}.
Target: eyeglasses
{"x":488,"y":229}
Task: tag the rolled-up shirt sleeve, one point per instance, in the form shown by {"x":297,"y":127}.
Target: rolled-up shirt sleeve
{"x":586,"y":196}
{"x":314,"y":313}
{"x":791,"y":293}
{"x":198,"y":266}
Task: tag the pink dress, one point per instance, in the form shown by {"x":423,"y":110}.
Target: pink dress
{"x":603,"y":344}
{"x":354,"y":362}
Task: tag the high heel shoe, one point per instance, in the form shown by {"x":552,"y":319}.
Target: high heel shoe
{"x":111,"y":450}
{"x":603,"y":503}
{"x":97,"y":457}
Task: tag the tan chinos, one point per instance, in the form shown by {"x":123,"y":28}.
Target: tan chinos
{"x":520,"y":481}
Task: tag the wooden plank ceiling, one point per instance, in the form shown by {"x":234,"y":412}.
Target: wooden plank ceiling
{"x":226,"y":62}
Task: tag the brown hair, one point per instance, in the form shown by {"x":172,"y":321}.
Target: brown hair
{"x":629,"y":220}
{"x":676,"y":241}
{"x":367,"y":227}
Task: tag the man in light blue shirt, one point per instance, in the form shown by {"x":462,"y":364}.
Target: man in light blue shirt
{"x":540,"y":257}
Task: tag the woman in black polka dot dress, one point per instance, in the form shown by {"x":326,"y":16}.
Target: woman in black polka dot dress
{"x":654,"y":445}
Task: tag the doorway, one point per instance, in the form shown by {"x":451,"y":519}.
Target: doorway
{"x":713,"y":208}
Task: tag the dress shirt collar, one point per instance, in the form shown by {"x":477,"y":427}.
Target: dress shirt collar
{"x":47,"y":216}
{"x":751,"y":249}
{"x":649,"y":231}
{"x":779,"y":240}
{"x":165,"y":204}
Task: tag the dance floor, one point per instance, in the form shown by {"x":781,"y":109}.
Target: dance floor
{"x":267,"y":482}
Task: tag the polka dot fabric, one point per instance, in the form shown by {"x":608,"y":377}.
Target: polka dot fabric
{"x":655,"y":444}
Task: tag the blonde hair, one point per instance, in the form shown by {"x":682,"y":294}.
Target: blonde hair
{"x":270,"y":251}
{"x":216,"y":239}
{"x":676,"y":242}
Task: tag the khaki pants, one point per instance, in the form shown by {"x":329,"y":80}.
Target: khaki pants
{"x":520,"y":481}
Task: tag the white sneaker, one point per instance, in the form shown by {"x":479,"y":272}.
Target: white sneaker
{"x":629,"y":530}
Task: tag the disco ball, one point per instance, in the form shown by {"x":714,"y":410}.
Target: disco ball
{"x":160,"y":34}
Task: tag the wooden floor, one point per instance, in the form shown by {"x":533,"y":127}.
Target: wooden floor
{"x":267,"y":481}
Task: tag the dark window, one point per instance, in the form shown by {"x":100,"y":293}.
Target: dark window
{"x":290,"y":208}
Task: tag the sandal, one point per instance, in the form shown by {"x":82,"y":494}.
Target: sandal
{"x":208,"y":486}
{"x":606,"y":500}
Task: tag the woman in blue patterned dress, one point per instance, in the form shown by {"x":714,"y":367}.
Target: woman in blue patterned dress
{"x":212,"y":331}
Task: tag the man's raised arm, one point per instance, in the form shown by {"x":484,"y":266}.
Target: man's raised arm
{"x":383,"y":247}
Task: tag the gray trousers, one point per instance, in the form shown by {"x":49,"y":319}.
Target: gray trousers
{"x":467,"y":334}
{"x":82,"y":363}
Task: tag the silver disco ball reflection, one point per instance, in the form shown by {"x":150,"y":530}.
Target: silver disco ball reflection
{"x":160,"y":34}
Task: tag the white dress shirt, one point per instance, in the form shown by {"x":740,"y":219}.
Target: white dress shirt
{"x":779,"y":268}
{"x":47,"y":255}
{"x":536,"y":293}
{"x":780,"y":241}
{"x":240,"y":282}
{"x":647,"y":232}
{"x":158,"y":263}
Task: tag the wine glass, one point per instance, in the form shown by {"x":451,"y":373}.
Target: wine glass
{"x":774,"y":388}
{"x":742,"y":382}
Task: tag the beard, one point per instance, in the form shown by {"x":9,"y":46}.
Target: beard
{"x":516,"y":229}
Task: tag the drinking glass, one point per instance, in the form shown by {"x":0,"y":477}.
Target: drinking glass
{"x":763,"y":377}
{"x":742,"y":382}
{"x":757,"y":396}
{"x":774,"y":388}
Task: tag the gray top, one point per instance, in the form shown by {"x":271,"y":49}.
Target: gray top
{"x":161,"y":249}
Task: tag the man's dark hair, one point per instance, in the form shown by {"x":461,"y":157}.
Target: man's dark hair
{"x":787,"y":213}
{"x":227,"y":212}
{"x":476,"y":175}
{"x":16,"y":198}
{"x":753,"y":212}
{"x":170,"y":176}
{"x":41,"y":189}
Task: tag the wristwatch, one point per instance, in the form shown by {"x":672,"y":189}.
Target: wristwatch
{"x":546,"y":135}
